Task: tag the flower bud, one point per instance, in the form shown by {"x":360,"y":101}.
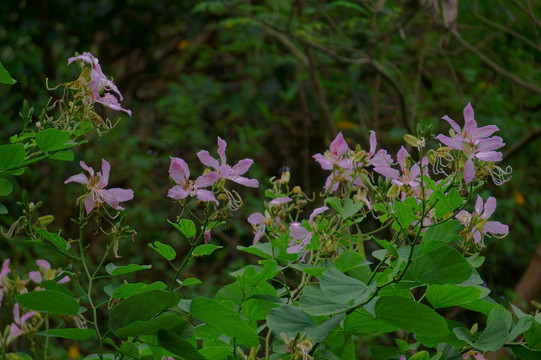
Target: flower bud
{"x":411,"y":140}
{"x":432,"y":157}
{"x":367,"y":182}
{"x":284,"y":179}
{"x":222,"y":197}
{"x":297,"y":190}
{"x":45,"y":220}
{"x":474,"y":329}
{"x":393,"y":191}
{"x":359,"y":156}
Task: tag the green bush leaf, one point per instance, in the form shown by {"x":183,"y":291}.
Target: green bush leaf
{"x":127,"y":290}
{"x":441,"y":296}
{"x":205,"y":249}
{"x":6,"y":187}
{"x":72,"y":334}
{"x":361,"y":321}
{"x":410,"y":316}
{"x":290,"y":320}
{"x":11,"y":156}
{"x":225,"y":319}
{"x":341,"y":288}
{"x":141,"y":307}
{"x":170,"y":322}
{"x":186,"y":227}
{"x":497,"y":331}
{"x":66,"y":155}
{"x":164,"y":250}
{"x":5,"y":77}
{"x":58,"y":241}
{"x":178,"y":346}
{"x":446,"y":232}
{"x":442,"y":265}
{"x":52,"y":139}
{"x":114,"y":270}
{"x":315,"y":302}
{"x":51,"y":301}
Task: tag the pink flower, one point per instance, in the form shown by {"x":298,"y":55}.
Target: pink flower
{"x":3,"y":273}
{"x":16,"y":327}
{"x":316,"y":212}
{"x":46,"y":273}
{"x":97,"y":194}
{"x":337,"y":160}
{"x":258,"y":221}
{"x":477,"y":223}
{"x":180,"y":173}
{"x":301,"y":238}
{"x":380,"y":160}
{"x":100,"y":82}
{"x":225,"y":171}
{"x":280,"y":200}
{"x":473,"y":141}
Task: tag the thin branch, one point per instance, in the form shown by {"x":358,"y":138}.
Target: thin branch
{"x":523,"y":142}
{"x":495,"y":66}
{"x":505,"y":29}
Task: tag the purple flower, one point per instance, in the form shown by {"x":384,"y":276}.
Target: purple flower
{"x":97,"y":194}
{"x":477,"y":224}
{"x":380,"y":160}
{"x":3,"y":273}
{"x":225,"y":171}
{"x":337,"y":161}
{"x":100,"y":82}
{"x":180,"y":173}
{"x":473,"y":141}
{"x":301,"y":238}
{"x":258,"y":221}
{"x":46,"y":273}
{"x":16,"y":327}
{"x":316,"y":212}
{"x":280,"y":200}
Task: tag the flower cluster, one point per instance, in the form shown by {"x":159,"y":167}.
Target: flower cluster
{"x":101,"y":88}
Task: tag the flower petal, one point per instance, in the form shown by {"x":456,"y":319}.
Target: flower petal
{"x":280,"y":200}
{"x":242,"y":166}
{"x":206,"y":195}
{"x":316,"y":212}
{"x":496,"y":227}
{"x":469,"y":171}
{"x":178,"y":170}
{"x":222,"y":145}
{"x":177,"y":193}
{"x":246,"y":182}
{"x":206,"y":180}
{"x":121,"y":194}
{"x":490,"y":207}
{"x":453,"y":124}
{"x":104,"y":177}
{"x":79,"y":178}
{"x":338,"y":145}
{"x":208,"y":160}
{"x":90,"y":202}
{"x":44,"y":264}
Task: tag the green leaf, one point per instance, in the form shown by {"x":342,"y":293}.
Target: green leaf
{"x":257,"y":309}
{"x":114,"y":270}
{"x":127,"y":290}
{"x":348,"y":260}
{"x":442,"y":265}
{"x":262,"y":250}
{"x":164,"y":250}
{"x":404,"y":213}
{"x":5,"y":187}
{"x":171,"y":322}
{"x":53,"y":285}
{"x":497,"y":331}
{"x":342,"y":288}
{"x":315,"y":302}
{"x":178,"y":346}
{"x":3,"y":210}
{"x":186,"y":227}
{"x":446,"y":232}
{"x":141,"y":307}
{"x":225,"y":319}
{"x":5,"y":77}
{"x":58,"y":241}
{"x":52,"y":139}
{"x":350,"y":208}
{"x":441,"y":296}
{"x":72,"y":334}
{"x":191,"y":281}
{"x":410,"y":316}
{"x":66,"y":155}
{"x":54,"y":302}
{"x":290,"y":320}
{"x":11,"y":156}
{"x":361,"y":321}
{"x":447,"y":202}
{"x":205,"y":249}
{"x":533,"y":335}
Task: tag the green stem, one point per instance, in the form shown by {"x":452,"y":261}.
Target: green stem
{"x":190,"y":252}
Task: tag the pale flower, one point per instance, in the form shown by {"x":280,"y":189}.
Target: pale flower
{"x":96,"y":183}
{"x":180,"y":173}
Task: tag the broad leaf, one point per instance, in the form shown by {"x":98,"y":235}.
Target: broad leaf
{"x":11,"y":156}
{"x":164,"y":250}
{"x":52,"y":139}
{"x":51,"y":301}
{"x":178,"y":346}
{"x":72,"y":334}
{"x":114,"y":270}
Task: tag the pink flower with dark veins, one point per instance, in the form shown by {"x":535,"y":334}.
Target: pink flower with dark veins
{"x":100,"y":83}
{"x":225,"y":171}
{"x":96,"y":183}
{"x":180,"y":173}
{"x":473,"y":141}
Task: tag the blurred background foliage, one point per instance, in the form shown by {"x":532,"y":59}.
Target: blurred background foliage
{"x":278,"y":79}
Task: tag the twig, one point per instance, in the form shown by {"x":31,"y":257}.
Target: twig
{"x":495,"y":66}
{"x":523,"y":142}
